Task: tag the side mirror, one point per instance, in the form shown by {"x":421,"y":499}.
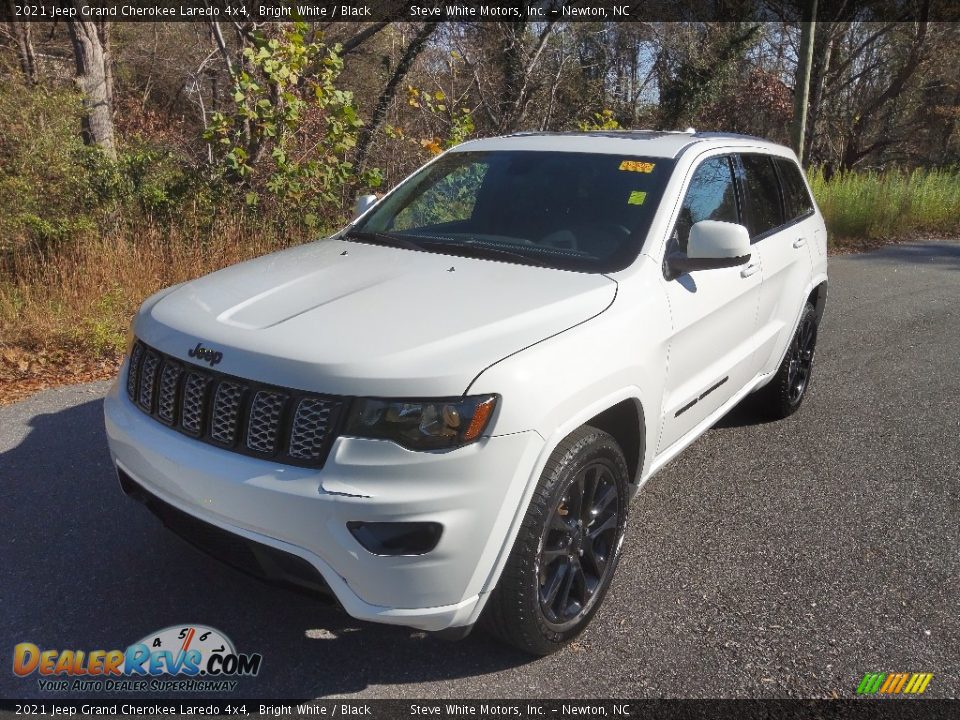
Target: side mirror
{"x":364,"y":203}
{"x":712,"y":244}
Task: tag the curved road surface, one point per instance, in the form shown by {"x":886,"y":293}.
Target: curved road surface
{"x":782,"y":559}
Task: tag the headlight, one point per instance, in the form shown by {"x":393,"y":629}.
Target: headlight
{"x":422,"y":424}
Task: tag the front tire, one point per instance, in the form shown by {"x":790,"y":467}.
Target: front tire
{"x":567,"y":548}
{"x":784,"y":394}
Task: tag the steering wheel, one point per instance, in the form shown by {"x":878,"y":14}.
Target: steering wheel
{"x":612,"y":228}
{"x":576,"y":237}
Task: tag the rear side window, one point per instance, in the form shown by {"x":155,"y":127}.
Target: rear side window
{"x":795,"y":194}
{"x":712,"y":195}
{"x":763,"y":211}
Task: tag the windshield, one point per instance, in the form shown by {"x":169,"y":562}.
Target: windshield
{"x":575,"y":211}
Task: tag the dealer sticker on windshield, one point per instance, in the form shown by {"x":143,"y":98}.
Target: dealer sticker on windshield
{"x":637,"y":166}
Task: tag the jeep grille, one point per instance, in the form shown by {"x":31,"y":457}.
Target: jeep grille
{"x":290,"y":426}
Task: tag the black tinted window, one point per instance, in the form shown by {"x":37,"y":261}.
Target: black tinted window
{"x":795,"y":194}
{"x":578,"y":211}
{"x":762,"y":207}
{"x":712,"y":195}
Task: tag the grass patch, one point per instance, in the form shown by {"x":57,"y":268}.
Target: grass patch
{"x":865,"y":206}
{"x":82,"y":297}
{"x":72,"y":306}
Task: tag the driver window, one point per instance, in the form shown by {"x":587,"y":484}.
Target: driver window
{"x":712,"y":195}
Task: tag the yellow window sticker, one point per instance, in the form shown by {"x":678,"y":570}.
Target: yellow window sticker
{"x":637,"y":166}
{"x":636,"y":197}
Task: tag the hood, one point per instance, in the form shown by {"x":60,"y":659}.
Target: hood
{"x":350,"y":318}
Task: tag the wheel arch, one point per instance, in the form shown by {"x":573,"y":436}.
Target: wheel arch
{"x":605,"y":415}
{"x":818,"y":296}
{"x":625,"y":422}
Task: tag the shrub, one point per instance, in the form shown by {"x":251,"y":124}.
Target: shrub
{"x":45,"y":193}
{"x":873,"y":205}
{"x":285,"y":86}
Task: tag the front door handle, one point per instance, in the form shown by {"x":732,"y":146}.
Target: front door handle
{"x":799,"y":242}
{"x":750,"y":269}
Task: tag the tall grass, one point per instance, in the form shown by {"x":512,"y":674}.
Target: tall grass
{"x":891,"y":205}
{"x":81,"y":296}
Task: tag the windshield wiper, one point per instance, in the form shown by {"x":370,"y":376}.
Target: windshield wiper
{"x":476,"y":248}
{"x":382,"y":238}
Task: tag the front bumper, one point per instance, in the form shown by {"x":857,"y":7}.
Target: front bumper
{"x":474,"y":492}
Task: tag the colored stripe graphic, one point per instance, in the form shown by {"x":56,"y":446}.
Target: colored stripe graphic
{"x":898,"y":685}
{"x":927,"y":677}
{"x":894,"y":683}
{"x":891,"y":681}
{"x":871,"y":683}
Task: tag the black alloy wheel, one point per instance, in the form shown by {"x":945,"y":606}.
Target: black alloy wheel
{"x":783,"y":395}
{"x":567,"y":547}
{"x":577,"y":545}
{"x":800,"y":359}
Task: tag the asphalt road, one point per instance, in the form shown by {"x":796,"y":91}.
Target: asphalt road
{"x":769,"y":560}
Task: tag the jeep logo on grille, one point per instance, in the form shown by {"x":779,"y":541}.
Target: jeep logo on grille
{"x":206,"y":354}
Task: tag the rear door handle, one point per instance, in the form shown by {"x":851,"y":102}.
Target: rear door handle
{"x":799,"y":242}
{"x":750,"y":269}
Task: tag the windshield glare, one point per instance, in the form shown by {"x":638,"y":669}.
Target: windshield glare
{"x":575,"y":211}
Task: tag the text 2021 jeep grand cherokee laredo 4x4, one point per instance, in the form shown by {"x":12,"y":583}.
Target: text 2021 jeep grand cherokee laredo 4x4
{"x":444,"y":409}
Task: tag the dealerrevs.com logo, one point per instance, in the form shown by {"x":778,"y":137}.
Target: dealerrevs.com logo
{"x":178,"y":658}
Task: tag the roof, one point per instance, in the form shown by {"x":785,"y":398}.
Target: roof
{"x":647,"y":143}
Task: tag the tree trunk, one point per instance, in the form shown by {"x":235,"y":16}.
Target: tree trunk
{"x":21,"y":34}
{"x":801,"y":91}
{"x":94,"y":79}
{"x":103,"y":32}
{"x":822,"y":56}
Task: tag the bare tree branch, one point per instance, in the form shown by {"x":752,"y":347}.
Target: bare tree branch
{"x":361,"y":37}
{"x":386,"y":97}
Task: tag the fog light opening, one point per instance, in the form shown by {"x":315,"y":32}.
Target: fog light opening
{"x":396,"y":538}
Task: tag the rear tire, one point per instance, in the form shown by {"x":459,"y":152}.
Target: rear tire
{"x":567,"y":549}
{"x":784,"y":394}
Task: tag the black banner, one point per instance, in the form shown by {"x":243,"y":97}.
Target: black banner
{"x":473,"y":10}
{"x":516,"y":709}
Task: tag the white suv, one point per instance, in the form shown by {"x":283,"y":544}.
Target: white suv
{"x":440,"y":414}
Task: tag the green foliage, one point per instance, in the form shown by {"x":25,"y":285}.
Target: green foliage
{"x":456,"y":121}
{"x":603,"y":120}
{"x":144,"y":178}
{"x":461,"y":127}
{"x":698,"y":78}
{"x":104,"y":331}
{"x":45,"y":195}
{"x":53,"y":188}
{"x":291,"y":128}
{"x":872,"y":205}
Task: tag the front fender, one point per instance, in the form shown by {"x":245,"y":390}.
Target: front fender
{"x":562,"y":382}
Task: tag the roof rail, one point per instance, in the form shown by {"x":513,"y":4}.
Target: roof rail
{"x":626,"y":132}
{"x":731,"y":135}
